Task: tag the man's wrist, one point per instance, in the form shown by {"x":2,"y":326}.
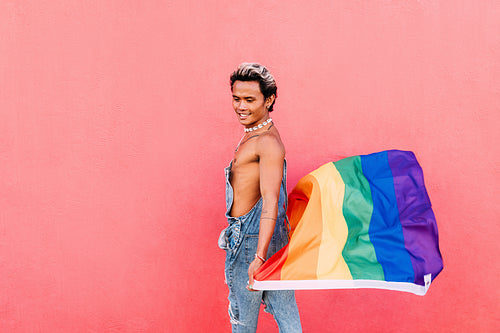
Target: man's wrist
{"x":260,"y":258}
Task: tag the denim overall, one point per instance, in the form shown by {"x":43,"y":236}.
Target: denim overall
{"x":240,"y":240}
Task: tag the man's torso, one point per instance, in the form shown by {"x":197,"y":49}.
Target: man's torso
{"x":245,"y":174}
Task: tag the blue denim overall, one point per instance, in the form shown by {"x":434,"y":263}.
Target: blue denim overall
{"x":240,"y":240}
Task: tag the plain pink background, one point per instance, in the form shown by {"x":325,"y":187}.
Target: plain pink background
{"x":116,"y":124}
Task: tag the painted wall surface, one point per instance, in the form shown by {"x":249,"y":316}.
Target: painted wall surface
{"x":116,"y":124}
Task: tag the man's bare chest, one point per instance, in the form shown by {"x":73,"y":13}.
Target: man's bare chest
{"x":245,"y":153}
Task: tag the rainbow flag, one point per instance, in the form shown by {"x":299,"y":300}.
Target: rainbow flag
{"x":361,"y":222}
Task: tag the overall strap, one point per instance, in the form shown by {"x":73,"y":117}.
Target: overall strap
{"x":283,"y":184}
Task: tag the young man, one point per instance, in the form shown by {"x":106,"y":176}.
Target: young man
{"x":255,"y":201}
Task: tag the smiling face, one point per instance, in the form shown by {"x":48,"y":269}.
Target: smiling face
{"x":249,"y":103}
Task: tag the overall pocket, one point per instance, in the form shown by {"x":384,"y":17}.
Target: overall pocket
{"x":223,"y":240}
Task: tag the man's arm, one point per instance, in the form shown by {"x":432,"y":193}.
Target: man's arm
{"x":271,"y":156}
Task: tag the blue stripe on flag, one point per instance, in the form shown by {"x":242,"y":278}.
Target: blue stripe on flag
{"x":385,"y":229}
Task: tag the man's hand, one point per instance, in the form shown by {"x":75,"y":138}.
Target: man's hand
{"x":254,"y":265}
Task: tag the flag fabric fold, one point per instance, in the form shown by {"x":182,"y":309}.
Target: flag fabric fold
{"x":361,"y":222}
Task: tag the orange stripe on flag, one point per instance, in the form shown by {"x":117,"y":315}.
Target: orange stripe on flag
{"x":303,"y":249}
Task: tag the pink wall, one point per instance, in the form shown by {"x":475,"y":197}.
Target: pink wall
{"x":116,"y":124}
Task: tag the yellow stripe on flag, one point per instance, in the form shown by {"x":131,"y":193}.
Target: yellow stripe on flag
{"x":331,"y":264}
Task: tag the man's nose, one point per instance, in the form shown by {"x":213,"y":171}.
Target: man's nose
{"x":242,"y":105}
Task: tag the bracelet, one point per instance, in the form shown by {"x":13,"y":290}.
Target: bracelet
{"x":259,"y":257}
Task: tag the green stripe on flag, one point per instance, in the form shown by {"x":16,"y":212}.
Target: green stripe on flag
{"x":358,"y":253}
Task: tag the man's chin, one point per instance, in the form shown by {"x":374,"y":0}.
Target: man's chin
{"x":245,"y":122}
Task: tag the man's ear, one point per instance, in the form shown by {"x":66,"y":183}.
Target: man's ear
{"x":269,"y":101}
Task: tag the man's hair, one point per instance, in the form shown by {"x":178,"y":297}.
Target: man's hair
{"x":259,"y":73}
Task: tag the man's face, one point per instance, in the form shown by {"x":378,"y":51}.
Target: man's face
{"x":249,"y":103}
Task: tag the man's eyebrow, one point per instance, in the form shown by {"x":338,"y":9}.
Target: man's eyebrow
{"x":244,"y":97}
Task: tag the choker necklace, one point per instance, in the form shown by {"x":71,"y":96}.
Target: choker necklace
{"x":251,"y":129}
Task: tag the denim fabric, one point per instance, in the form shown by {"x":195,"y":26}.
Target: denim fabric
{"x":240,"y":240}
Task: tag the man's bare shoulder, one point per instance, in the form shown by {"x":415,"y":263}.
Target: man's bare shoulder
{"x":269,"y":143}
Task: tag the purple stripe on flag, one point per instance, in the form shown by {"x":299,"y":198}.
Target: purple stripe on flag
{"x":416,"y":215}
